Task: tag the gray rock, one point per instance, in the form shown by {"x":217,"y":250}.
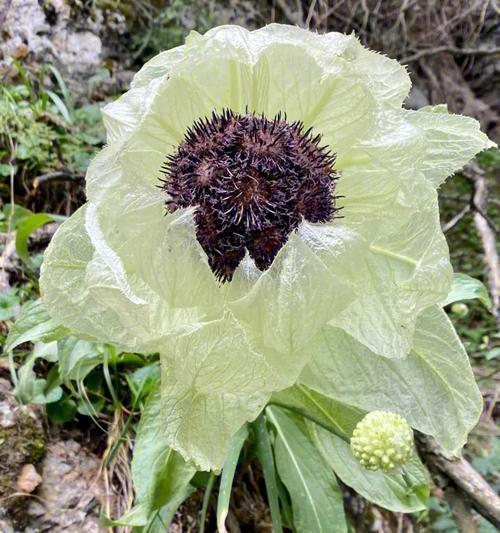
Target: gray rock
{"x":48,"y":35}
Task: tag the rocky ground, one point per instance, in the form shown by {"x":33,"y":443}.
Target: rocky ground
{"x":49,"y":482}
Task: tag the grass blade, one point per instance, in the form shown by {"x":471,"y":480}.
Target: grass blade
{"x":63,"y":88}
{"x":265,"y":456}
{"x":226,"y":482}
{"x":206,"y":500}
{"x":61,"y":106}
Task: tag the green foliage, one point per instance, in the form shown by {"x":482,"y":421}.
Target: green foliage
{"x":169,"y":26}
{"x":316,"y":498}
{"x":74,"y":369}
{"x":464,"y":287}
{"x":227,"y":477}
{"x":33,"y":324}
{"x":161,"y":477}
{"x":40,"y":129}
{"x":9,"y":303}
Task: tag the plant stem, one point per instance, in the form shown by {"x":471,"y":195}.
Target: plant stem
{"x":206,"y":499}
{"x":312,"y":418}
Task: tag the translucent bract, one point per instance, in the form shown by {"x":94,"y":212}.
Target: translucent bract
{"x":122,"y":271}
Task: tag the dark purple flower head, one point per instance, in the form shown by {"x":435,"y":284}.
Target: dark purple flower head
{"x":252,"y":180}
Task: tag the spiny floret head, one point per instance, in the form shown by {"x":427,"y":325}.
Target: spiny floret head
{"x":252,"y":181}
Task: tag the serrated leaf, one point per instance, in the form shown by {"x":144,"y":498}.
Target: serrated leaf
{"x":464,"y":287}
{"x":316,"y":498}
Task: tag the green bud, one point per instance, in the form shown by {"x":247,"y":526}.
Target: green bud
{"x":460,"y":310}
{"x":382,"y":440}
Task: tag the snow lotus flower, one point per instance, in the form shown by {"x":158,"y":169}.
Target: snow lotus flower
{"x":255,"y":187}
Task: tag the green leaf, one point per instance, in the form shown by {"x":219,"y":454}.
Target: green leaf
{"x":61,"y":411}
{"x":29,"y":388}
{"x":63,"y":88}
{"x":336,"y":417}
{"x":463,"y":287}
{"x":43,"y":392}
{"x":391,"y":491}
{"x":159,"y":522}
{"x":24,"y":76}
{"x":493,"y":354}
{"x":60,"y":105}
{"x":316,"y":498}
{"x":33,"y":324}
{"x":15,"y":215}
{"x":26,"y":227}
{"x":228,"y":470}
{"x":143,"y":520}
{"x":78,"y":357}
{"x":9,"y":302}
{"x":5,"y":170}
{"x":161,"y":477}
{"x":46,"y":350}
{"x":143,"y":379}
{"x":90,"y":408}
{"x":433,"y":388}
{"x":265,"y":456}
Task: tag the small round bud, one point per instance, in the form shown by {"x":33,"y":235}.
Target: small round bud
{"x":460,"y":310}
{"x":382,"y":440}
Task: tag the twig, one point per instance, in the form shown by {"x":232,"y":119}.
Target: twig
{"x":462,"y":476}
{"x":58,"y":175}
{"x":456,"y":219}
{"x":310,"y":14}
{"x":480,"y":211}
{"x":450,"y":50}
{"x":454,"y":197}
{"x":486,"y":233}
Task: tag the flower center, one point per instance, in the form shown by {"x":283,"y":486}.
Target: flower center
{"x":252,"y":180}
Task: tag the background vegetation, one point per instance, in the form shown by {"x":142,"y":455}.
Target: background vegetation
{"x":50,"y":126}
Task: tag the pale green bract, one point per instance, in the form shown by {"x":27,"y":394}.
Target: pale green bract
{"x":122,"y":272}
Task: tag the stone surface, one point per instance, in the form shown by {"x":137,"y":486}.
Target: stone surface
{"x":62,"y":476}
{"x":28,"y":479}
{"x":56,"y":33}
{"x":71,"y":491}
{"x":22,"y":442}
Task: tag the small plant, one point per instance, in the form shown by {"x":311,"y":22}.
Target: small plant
{"x":41,"y":131}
